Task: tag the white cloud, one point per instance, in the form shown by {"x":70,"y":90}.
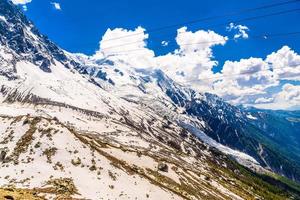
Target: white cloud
{"x":56,"y":5}
{"x":21,"y":2}
{"x":258,"y":75}
{"x":286,"y":63}
{"x":290,"y":93}
{"x":126,"y":46}
{"x":241,"y":80}
{"x":287,"y":98}
{"x":241,"y":31}
{"x":201,"y":40}
{"x":263,"y":100}
{"x":193,"y":60}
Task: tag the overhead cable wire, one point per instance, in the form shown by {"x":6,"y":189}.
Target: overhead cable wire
{"x":262,"y":36}
{"x":221,"y":24}
{"x":240,"y":74}
{"x":209,"y":18}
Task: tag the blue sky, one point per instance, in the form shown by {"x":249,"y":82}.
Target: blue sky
{"x":80,"y":25}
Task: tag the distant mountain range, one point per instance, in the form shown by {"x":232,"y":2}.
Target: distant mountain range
{"x":73,"y":126}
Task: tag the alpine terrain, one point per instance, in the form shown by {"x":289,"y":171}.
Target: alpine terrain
{"x":76,"y":127}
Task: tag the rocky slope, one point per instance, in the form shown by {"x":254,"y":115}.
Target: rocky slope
{"x":77,"y":127}
{"x":119,"y":161}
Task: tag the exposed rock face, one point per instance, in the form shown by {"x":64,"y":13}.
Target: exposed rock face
{"x":2,"y":155}
{"x":76,"y":162}
{"x":10,"y":193}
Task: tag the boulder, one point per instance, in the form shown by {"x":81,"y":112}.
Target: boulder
{"x":162,"y":167}
{"x":2,"y":155}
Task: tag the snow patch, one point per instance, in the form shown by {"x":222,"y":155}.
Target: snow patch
{"x":249,"y":116}
{"x":241,"y":157}
{"x":2,"y":18}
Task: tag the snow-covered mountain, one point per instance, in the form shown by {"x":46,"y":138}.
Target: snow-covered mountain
{"x":73,"y":126}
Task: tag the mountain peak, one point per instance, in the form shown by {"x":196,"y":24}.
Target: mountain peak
{"x":22,"y":41}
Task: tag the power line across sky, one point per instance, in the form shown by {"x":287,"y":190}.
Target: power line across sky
{"x":219,"y":77}
{"x":228,"y":17}
{"x":243,"y":11}
{"x":265,"y":36}
{"x":211,"y":26}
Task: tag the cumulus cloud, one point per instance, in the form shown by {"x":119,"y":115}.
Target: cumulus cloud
{"x":290,"y":93}
{"x":193,"y":60}
{"x":127,"y":46}
{"x":201,"y":40}
{"x":247,"y":81}
{"x":56,"y":5}
{"x":263,"y":100}
{"x":286,"y":63}
{"x":287,"y":98}
{"x":190,"y":61}
{"x":241,"y":80}
{"x":241,"y":31}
